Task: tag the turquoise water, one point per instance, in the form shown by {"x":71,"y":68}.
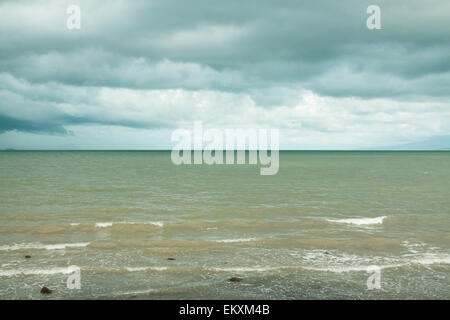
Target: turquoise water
{"x":309,"y":232}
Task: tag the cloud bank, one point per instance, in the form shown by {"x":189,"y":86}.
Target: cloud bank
{"x":137,"y":70}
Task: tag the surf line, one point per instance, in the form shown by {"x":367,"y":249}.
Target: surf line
{"x":209,"y":147}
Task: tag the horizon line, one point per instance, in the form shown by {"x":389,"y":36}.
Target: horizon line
{"x":288,"y":150}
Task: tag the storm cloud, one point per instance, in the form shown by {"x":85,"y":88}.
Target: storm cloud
{"x":311,"y":68}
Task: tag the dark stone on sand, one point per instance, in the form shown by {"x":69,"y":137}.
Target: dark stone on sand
{"x":27,"y":257}
{"x":235,"y":279}
{"x":170,"y":258}
{"x":46,"y":290}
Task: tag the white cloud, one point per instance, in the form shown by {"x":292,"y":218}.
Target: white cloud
{"x":313,"y":121}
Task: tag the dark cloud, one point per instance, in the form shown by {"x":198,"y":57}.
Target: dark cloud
{"x":235,"y":46}
{"x":57,"y":126}
{"x":84,"y":120}
{"x":10,"y":124}
{"x":259,"y":54}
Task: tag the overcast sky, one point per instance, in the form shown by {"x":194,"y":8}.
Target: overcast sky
{"x":137,"y":70}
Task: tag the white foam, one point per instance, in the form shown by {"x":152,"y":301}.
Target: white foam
{"x":74,"y":224}
{"x":335,"y":263}
{"x":25,"y":246}
{"x":414,"y":248}
{"x":138,"y":292}
{"x":159,"y":224}
{"x":342,"y":269}
{"x":109,"y":224}
{"x":360,"y":221}
{"x":158,"y":268}
{"x":235,"y":240}
{"x":103,"y":224}
{"x":432,"y":259}
{"x":131,"y":269}
{"x":66,"y":245}
{"x":50,"y":271}
{"x":248,"y":269}
{"x":154,"y":223}
{"x":7,"y":264}
{"x":136,"y":269}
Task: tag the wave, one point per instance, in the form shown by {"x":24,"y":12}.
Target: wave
{"x":50,"y":271}
{"x":250,"y":269}
{"x":176,"y":245}
{"x":432,"y":259}
{"x":71,"y":269}
{"x":360,"y":221}
{"x":130,"y":293}
{"x":334,"y":263}
{"x":342,"y":269}
{"x":157,"y":223}
{"x":235,"y":240}
{"x":136,"y":269}
{"x":28,"y":246}
{"x":425,"y":260}
{"x":110,"y":224}
{"x":103,"y":224}
{"x":182,"y":226}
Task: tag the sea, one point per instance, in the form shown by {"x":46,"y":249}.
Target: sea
{"x":132,"y":225}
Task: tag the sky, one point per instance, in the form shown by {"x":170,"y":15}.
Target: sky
{"x":136,"y":71}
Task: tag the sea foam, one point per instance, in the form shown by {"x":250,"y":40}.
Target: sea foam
{"x":360,"y":221}
{"x":27,"y":246}
{"x":137,"y":269}
{"x":109,"y":224}
{"x":49,"y":271}
{"x":249,"y":269}
{"x":103,"y":224}
{"x":235,"y":240}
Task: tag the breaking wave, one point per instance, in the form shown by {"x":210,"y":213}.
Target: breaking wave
{"x":109,"y":224}
{"x":27,"y":246}
{"x":360,"y":221}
